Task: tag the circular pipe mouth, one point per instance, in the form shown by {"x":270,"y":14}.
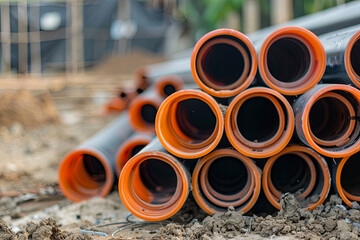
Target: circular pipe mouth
{"x":142,"y":113}
{"x":167,"y":85}
{"x":85,"y":173}
{"x":297,"y":170}
{"x":224,"y":62}
{"x":189,"y":124}
{"x":292,"y":60}
{"x":330,"y":121}
{"x":352,"y":59}
{"x":348,"y":179}
{"x":153,"y":185}
{"x":129,"y":149}
{"x":259,"y":122}
{"x":226,"y":178}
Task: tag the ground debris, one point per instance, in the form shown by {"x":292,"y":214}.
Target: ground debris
{"x":329,"y":221}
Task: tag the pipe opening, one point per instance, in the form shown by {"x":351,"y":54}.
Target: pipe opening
{"x":94,"y":168}
{"x":355,"y":57}
{"x":195,"y":119}
{"x":122,"y":94}
{"x":290,"y":173}
{"x":227,"y":175}
{"x":169,"y":89}
{"x":257,"y":119}
{"x":329,"y":119}
{"x":135,"y":150}
{"x":139,"y":90}
{"x":148,"y":113}
{"x":288,"y":59}
{"x":159,"y":179}
{"x":350,"y":178}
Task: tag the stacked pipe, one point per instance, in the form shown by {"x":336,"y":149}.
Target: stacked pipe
{"x":268,"y":118}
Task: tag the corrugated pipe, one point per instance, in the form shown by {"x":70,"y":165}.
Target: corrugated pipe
{"x":189,"y":124}
{"x":226,"y":178}
{"x":298,"y":170}
{"x":88,"y":170}
{"x":292,"y":60}
{"x":327,"y":119}
{"x":224,"y":62}
{"x":154,"y":185}
{"x":259,"y":122}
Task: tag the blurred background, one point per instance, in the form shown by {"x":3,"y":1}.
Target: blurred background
{"x":71,"y":36}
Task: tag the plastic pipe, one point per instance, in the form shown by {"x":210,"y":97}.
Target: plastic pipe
{"x":124,"y":96}
{"x":292,"y":60}
{"x":224,"y":62}
{"x":259,"y":122}
{"x":327,"y":119}
{"x":332,"y":19}
{"x":143,"y":110}
{"x":154,"y":185}
{"x":347,"y":179}
{"x":130,"y":148}
{"x":88,"y":170}
{"x":299,"y":170}
{"x":226,"y":178}
{"x":342,"y":56}
{"x":189,"y":124}
{"x":167,"y":85}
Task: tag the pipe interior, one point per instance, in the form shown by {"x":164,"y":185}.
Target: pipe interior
{"x":169,"y":89}
{"x":290,"y":173}
{"x":223,"y":64}
{"x":227,"y":175}
{"x":355,"y":57}
{"x":136,"y":149}
{"x":288,"y":59}
{"x":329,"y":118}
{"x":195,"y":119}
{"x":148,"y":113}
{"x":122,"y":94}
{"x":258,"y":119}
{"x":350,"y":177}
{"x":94,"y":168}
{"x":159,"y":178}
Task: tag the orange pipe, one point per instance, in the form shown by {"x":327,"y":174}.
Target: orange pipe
{"x":318,"y":177}
{"x":142,"y":111}
{"x":248,"y":126}
{"x":189,"y":124}
{"x":224,"y":62}
{"x":124,"y":96}
{"x":242,"y":198}
{"x":327,"y":119}
{"x":88,"y":170}
{"x":292,"y":60}
{"x":167,"y":85}
{"x":129,"y":148}
{"x":154,"y":185}
{"x":347,"y":179}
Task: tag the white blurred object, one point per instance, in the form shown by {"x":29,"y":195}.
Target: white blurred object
{"x":123,"y":29}
{"x":50,"y":21}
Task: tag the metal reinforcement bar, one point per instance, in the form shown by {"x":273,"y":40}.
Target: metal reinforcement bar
{"x":88,"y":170}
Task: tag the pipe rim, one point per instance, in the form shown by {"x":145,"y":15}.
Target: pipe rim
{"x":345,"y":196}
{"x":354,"y":77}
{"x":321,"y":162}
{"x":306,"y":126}
{"x":173,"y":80}
{"x":169,"y":138}
{"x":245,"y":160}
{"x":123,"y":154}
{"x":136,"y":120}
{"x":317,"y":60}
{"x":65,"y":170}
{"x":224,"y":32}
{"x":155,"y":212}
{"x":272,"y":149}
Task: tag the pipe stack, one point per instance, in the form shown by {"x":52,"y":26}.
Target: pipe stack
{"x":269,"y":117}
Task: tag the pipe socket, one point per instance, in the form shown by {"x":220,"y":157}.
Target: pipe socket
{"x":259,"y":122}
{"x":292,"y":60}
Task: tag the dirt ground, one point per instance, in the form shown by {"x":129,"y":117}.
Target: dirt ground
{"x":32,"y":206}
